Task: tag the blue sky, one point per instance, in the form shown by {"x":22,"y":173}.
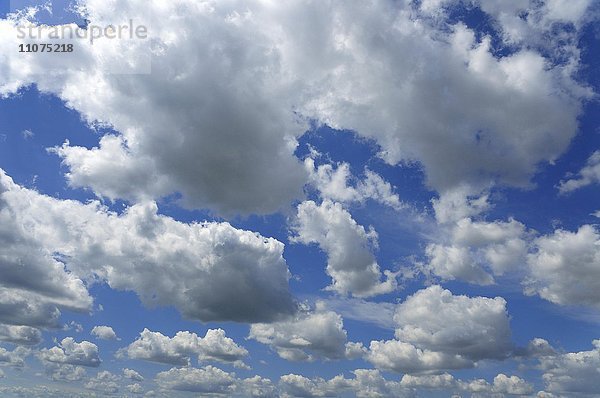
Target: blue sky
{"x":305,"y":199}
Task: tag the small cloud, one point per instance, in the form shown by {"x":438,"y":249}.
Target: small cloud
{"x":27,"y":134}
{"x":73,"y":326}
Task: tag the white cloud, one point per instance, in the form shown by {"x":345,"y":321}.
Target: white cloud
{"x":178,"y":350}
{"x":437,"y":330}
{"x":69,"y":352}
{"x":588,"y":175}
{"x":442,"y":381}
{"x":459,"y":203}
{"x":27,"y":301}
{"x":573,"y":373}
{"x":476,"y":251}
{"x":207,"y":380}
{"x":132,"y":375}
{"x":208,"y":271}
{"x":104,"y":333}
{"x":64,"y":372}
{"x":135,"y":388}
{"x":21,"y":335}
{"x":104,"y":382}
{"x":367,"y":383}
{"x":402,"y":357}
{"x":565,"y":268}
{"x":350,"y":262}
{"x":334,"y":183}
{"x":15,"y":358}
{"x":212,"y":128}
{"x":512,"y":385}
{"x":308,"y":336}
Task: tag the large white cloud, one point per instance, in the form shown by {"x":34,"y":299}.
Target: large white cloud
{"x":437,"y":330}
{"x":365,"y":383}
{"x":207,"y":380}
{"x":208,"y":271}
{"x":573,"y":372}
{"x":565,"y":268}
{"x":70,"y":352}
{"x":178,"y":350}
{"x":348,"y":245}
{"x":27,"y":301}
{"x":308,"y":336}
{"x":21,"y":335}
{"x":229,"y":79}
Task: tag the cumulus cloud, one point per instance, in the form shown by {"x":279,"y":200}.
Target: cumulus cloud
{"x":132,"y":375}
{"x":335,"y":183}
{"x":64,"y":372}
{"x":590,"y":174}
{"x":437,"y":330}
{"x":21,"y":335}
{"x":103,"y":382}
{"x":308,"y":336}
{"x":104,"y":333}
{"x":565,"y":268}
{"x":207,"y":380}
{"x":365,"y":383}
{"x":178,"y":350}
{"x":231,"y":116}
{"x":211,"y":381}
{"x":573,"y":372}
{"x":476,"y":251}
{"x":350,"y":262}
{"x":15,"y":358}
{"x":208,"y":271}
{"x":69,"y":352}
{"x":27,"y":301}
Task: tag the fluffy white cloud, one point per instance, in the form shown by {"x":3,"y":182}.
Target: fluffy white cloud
{"x":511,"y":385}
{"x":212,"y":127}
{"x":259,"y":387}
{"x":64,"y":372}
{"x":135,"y":388}
{"x":208,"y":271}
{"x":437,"y":330}
{"x":590,"y":174}
{"x":16,"y":357}
{"x":429,"y":381}
{"x":459,"y":203}
{"x":104,"y":333}
{"x":69,"y":352}
{"x":565,"y":269}
{"x":573,"y":372}
{"x":207,"y":380}
{"x":215,"y":346}
{"x":132,"y":375}
{"x":501,"y":385}
{"x":27,"y":301}
{"x":103,"y":382}
{"x":335,"y":184}
{"x":367,"y":383}
{"x":398,"y":356}
{"x":308,"y":336}
{"x":473,"y":327}
{"x":473,"y":251}
{"x":350,"y":263}
{"x":22,"y":335}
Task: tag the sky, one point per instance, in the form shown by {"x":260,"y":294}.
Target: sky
{"x":363,"y":198}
